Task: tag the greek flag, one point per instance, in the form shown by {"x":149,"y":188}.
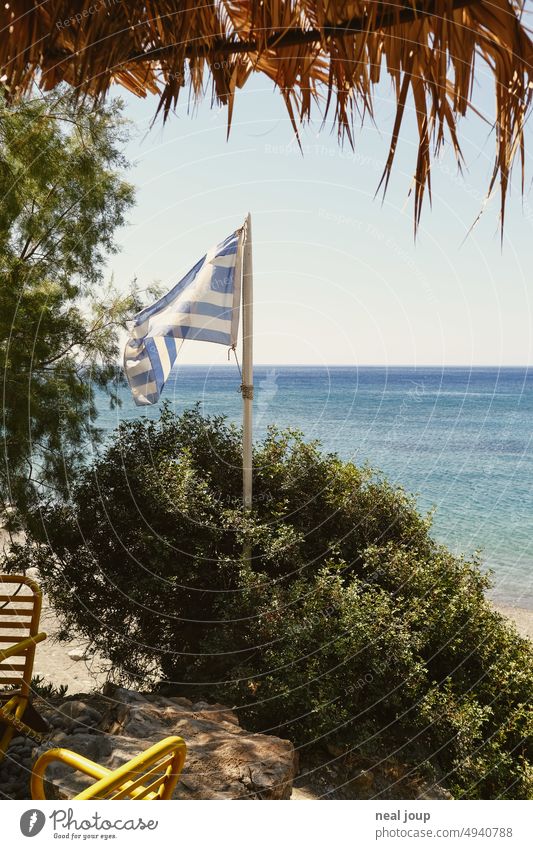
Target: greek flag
{"x":204,"y":305}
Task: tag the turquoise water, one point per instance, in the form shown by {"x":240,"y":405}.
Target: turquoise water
{"x":459,"y":438}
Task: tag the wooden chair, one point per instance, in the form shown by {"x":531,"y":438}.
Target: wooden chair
{"x":151,"y":775}
{"x":20,"y":610}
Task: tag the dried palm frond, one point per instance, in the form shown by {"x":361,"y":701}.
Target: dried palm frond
{"x":336,"y":51}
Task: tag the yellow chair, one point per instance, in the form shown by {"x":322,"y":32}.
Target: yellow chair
{"x":160,"y":766}
{"x":20,"y":611}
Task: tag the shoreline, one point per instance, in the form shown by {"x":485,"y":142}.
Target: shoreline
{"x":521,"y":617}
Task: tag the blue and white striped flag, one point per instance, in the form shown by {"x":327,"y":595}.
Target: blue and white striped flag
{"x":204,"y":305}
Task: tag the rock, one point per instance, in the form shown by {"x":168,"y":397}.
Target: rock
{"x":77,"y":712}
{"x":78,"y":654}
{"x":362,"y":783}
{"x":61,"y":738}
{"x":355,"y":775}
{"x":433,"y":791}
{"x":74,"y":715}
{"x":72,"y":709}
{"x":223,"y":760}
{"x":90,"y":717}
{"x":304,"y":794}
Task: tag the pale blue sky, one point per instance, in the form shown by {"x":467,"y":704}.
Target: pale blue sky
{"x":338,"y":277}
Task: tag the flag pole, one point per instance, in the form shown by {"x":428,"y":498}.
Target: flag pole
{"x":247,"y":387}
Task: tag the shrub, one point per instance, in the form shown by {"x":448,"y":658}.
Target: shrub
{"x":350,"y":625}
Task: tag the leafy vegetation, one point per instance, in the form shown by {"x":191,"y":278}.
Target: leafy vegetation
{"x":63,"y":197}
{"x":349,"y":626}
{"x":47,"y":690}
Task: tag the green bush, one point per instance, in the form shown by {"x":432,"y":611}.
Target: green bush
{"x":350,"y":626}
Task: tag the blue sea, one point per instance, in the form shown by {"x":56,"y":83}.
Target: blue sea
{"x":460,"y":439}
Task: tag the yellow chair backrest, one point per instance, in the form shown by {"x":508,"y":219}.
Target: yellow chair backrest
{"x":153,"y":774}
{"x":20,"y":611}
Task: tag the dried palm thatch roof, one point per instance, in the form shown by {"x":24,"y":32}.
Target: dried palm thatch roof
{"x":327,"y":54}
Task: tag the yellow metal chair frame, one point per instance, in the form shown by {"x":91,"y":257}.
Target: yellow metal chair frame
{"x":19,"y":626}
{"x":128,"y":781}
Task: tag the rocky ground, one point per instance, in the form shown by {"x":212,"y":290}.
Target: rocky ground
{"x":223,"y":760}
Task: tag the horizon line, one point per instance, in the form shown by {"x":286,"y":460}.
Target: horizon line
{"x":369,"y":365}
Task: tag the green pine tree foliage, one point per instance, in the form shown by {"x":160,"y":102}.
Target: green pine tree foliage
{"x":64,"y":195}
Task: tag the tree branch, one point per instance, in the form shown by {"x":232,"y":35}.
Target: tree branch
{"x":98,"y":325}
{"x":51,"y":229}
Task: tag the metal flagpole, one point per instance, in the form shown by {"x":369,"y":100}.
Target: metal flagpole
{"x":247,"y":386}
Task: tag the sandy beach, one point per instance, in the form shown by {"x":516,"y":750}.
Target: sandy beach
{"x":56,"y":664}
{"x":521,"y":616}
